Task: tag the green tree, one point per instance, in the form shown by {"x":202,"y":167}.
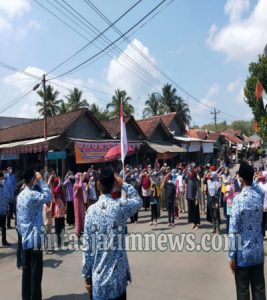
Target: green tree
{"x":152,"y":105}
{"x":52,"y":103}
{"x":75,"y":101}
{"x":114,"y":106}
{"x":244,"y":126}
{"x":257,"y":71}
{"x":170,"y":102}
{"x":220,"y":126}
{"x":168,"y":99}
{"x":182,"y":108}
{"x":63,"y":107}
{"x":99,"y":113}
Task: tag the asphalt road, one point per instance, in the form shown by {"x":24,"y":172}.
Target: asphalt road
{"x":156,"y":275}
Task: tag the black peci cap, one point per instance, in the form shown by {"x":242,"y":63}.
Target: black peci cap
{"x":246,"y":172}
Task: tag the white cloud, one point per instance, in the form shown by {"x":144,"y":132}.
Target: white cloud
{"x":18,"y":84}
{"x":4,"y":24}
{"x":10,"y":13}
{"x":242,"y":38}
{"x":23,"y":31}
{"x":13,"y":8}
{"x":232,"y":86}
{"x":235,"y":8}
{"x":213,"y":90}
{"x":120,"y":78}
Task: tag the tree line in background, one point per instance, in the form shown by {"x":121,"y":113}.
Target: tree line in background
{"x":244,"y":126}
{"x":156,"y":104}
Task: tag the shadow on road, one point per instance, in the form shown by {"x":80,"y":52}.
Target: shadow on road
{"x":52,"y":263}
{"x":70,"y":297}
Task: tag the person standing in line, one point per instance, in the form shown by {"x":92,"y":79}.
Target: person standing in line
{"x":107,"y":272}
{"x":58,"y":209}
{"x":180,"y":189}
{"x":162,"y":191}
{"x":78,"y":204}
{"x":30,"y":226}
{"x":145,"y":186}
{"x":154,"y":204}
{"x":12,"y":182}
{"x":246,"y":252}
{"x":170,"y":192}
{"x":68,"y":184}
{"x":91,"y":190}
{"x":3,"y":209}
{"x":191,"y":195}
{"x":214,"y":195}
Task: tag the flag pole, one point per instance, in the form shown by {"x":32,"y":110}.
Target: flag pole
{"x":124,"y":144}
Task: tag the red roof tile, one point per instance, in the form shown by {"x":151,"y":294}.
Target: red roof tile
{"x":148,"y":125}
{"x":197,"y":133}
{"x":113,"y":125}
{"x":56,"y":125}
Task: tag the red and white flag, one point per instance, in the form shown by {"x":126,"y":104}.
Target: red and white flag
{"x":124,"y":143}
{"x":261,"y":93}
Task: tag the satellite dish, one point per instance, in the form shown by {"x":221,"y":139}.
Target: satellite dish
{"x":265,"y":51}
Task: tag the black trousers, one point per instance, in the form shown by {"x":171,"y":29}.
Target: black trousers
{"x":122,"y":297}
{"x":3,"y":227}
{"x":250,"y":276}
{"x":134,"y":218}
{"x":19,"y":251}
{"x":146,"y":201}
{"x":170,"y":207}
{"x":32,"y":272}
{"x":59,"y":227}
{"x":70,"y":213}
{"x":10,"y":214}
{"x":154,"y":212}
{"x":193,"y":212}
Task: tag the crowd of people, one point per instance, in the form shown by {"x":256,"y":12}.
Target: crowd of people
{"x":188,"y":188}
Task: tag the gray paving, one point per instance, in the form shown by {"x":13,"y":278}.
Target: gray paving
{"x":156,"y":275}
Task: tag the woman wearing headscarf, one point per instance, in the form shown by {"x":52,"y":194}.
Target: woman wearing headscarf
{"x":191,"y":196}
{"x":78,"y":204}
{"x":145,"y":185}
{"x":58,"y":208}
{"x":68,"y":184}
{"x":213,"y":198}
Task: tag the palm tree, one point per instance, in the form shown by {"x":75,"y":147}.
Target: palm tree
{"x":168,"y":99}
{"x":52,"y":104}
{"x":63,"y":107}
{"x":117,"y":98}
{"x":182,"y":108}
{"x":74,"y":100}
{"x":152,"y":105}
{"x":98,"y":112}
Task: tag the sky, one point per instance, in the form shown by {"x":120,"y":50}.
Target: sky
{"x":202,"y":47}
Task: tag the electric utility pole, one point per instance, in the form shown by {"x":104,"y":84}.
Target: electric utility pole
{"x":215,"y":113}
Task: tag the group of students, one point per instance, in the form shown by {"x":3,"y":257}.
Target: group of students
{"x":204,"y":188}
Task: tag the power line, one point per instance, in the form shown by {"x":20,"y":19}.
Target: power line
{"x":119,"y":51}
{"x":124,"y":66}
{"x":12,"y":68}
{"x":111,"y":44}
{"x":101,"y":33}
{"x":98,"y":11}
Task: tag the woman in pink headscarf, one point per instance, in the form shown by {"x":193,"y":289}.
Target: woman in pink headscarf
{"x":78,"y":201}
